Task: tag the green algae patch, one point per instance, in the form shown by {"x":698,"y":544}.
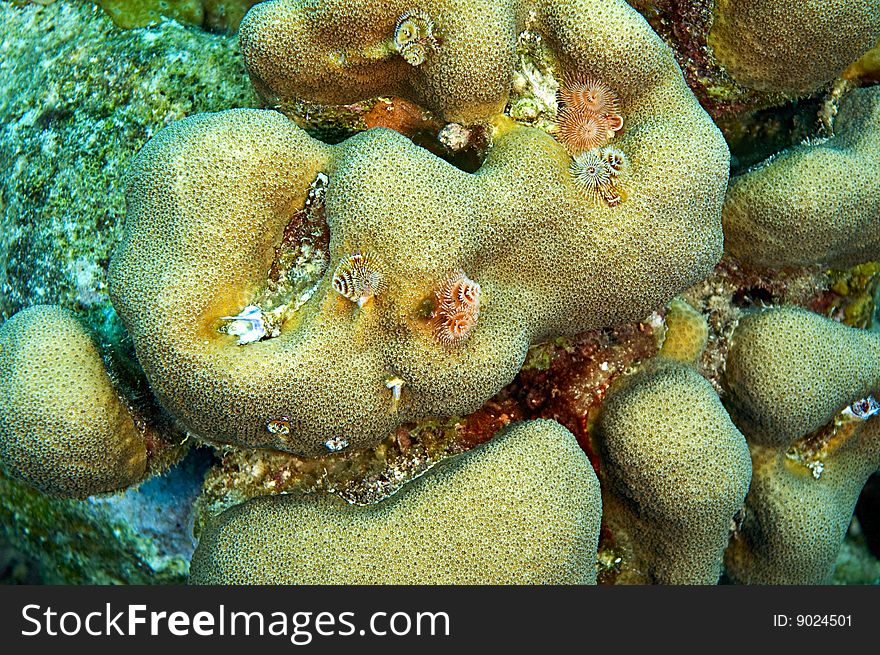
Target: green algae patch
{"x":79,"y":99}
{"x":78,"y":542}
{"x":141,"y":13}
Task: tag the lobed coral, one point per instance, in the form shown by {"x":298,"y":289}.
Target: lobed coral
{"x":686,"y":333}
{"x":524,"y":508}
{"x":817,"y":203}
{"x":789,"y":374}
{"x":340,"y":51}
{"x":763,"y":43}
{"x":739,"y":56}
{"x":232,"y":182}
{"x":675,"y":469}
{"x":354,"y":300}
{"x":63,"y":426}
{"x":794,"y":522}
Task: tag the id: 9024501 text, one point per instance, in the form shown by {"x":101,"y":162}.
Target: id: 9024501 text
{"x":812,"y":621}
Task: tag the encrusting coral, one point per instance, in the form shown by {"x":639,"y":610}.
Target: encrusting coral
{"x":742,"y":55}
{"x":63,"y":426}
{"x":589,"y":116}
{"x":789,"y":374}
{"x":675,"y":469}
{"x":341,"y":51}
{"x":597,"y":173}
{"x":764,"y":43}
{"x":524,"y":508}
{"x":816,"y":203}
{"x":230,"y":183}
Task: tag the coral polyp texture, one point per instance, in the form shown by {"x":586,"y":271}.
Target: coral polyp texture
{"x":816,"y":203}
{"x":547,"y":259}
{"x":524,"y":508}
{"x":457,"y":308}
{"x":588,"y":94}
{"x":675,"y":468}
{"x":341,"y":51}
{"x":789,"y":374}
{"x":790,"y":371}
{"x":763,"y":44}
{"x":63,"y":426}
{"x":796,"y":516}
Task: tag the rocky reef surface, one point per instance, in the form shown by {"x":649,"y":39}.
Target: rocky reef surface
{"x":535,"y":290}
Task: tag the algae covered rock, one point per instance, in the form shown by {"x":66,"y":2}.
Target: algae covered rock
{"x":141,"y":13}
{"x":79,"y":98}
{"x":436,"y":280}
{"x":524,"y":508}
{"x":63,"y":426}
{"x":211,"y":14}
{"x":816,"y":203}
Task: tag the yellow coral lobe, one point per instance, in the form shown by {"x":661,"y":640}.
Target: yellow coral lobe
{"x":459,"y":290}
{"x":358,"y":279}
{"x":443,"y":522}
{"x":591,"y":173}
{"x":396,"y":114}
{"x":519,"y":218}
{"x":686,"y":333}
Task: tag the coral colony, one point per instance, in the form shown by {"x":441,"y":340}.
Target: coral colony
{"x":538,"y":224}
